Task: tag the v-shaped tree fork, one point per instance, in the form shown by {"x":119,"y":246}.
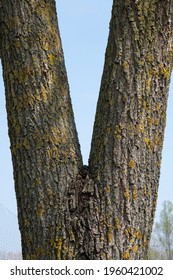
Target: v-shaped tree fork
{"x":104,"y":210}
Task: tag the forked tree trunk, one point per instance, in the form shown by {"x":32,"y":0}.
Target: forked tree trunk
{"x":106,"y":210}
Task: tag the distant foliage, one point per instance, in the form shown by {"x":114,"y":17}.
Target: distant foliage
{"x":10,"y":243}
{"x":161,"y":246}
{"x":10,"y":256}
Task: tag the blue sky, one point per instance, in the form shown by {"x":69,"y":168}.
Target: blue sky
{"x":84,"y":27}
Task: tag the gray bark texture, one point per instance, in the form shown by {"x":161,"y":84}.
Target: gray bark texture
{"x":104,"y":210}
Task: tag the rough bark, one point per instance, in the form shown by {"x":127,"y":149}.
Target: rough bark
{"x":130,"y":120}
{"x":67,"y":210}
{"x":44,"y":145}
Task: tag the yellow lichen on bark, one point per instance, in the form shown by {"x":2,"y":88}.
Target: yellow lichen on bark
{"x":132,"y":164}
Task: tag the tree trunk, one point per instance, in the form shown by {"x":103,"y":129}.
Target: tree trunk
{"x":44,"y":144}
{"x":130,"y":120}
{"x":67,"y":210}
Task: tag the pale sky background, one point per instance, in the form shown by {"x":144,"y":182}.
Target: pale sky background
{"x":84,"y":27}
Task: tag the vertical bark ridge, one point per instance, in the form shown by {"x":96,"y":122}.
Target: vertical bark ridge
{"x":44,"y":143}
{"x":129,"y":127}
